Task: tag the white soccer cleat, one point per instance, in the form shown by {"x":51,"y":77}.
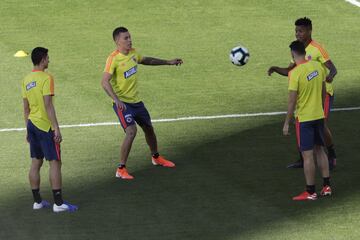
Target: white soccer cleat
{"x":43,"y":204}
{"x":65,"y":207}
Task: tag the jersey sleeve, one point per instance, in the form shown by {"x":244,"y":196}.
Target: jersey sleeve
{"x":48,"y":87}
{"x":138,"y":57}
{"x":323,"y":54}
{"x":293,"y":81}
{"x":110,"y":65}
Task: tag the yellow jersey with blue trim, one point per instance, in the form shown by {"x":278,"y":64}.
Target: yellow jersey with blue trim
{"x":316,"y":52}
{"x":124,"y":75}
{"x":35,"y":86}
{"x":307,"y":79}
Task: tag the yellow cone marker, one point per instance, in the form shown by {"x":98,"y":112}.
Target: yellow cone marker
{"x":21,"y":53}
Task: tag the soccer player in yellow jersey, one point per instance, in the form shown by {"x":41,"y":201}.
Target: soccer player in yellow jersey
{"x":314,"y":52}
{"x":120,"y":83}
{"x":306,"y":92}
{"x":43,"y":132}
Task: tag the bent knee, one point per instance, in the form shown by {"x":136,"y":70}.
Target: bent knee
{"x":131,"y":131}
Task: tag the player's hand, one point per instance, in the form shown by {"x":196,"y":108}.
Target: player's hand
{"x":271,"y":70}
{"x":57,"y":135}
{"x":329,"y":78}
{"x":120,"y":105}
{"x":286,"y":129}
{"x":176,"y":61}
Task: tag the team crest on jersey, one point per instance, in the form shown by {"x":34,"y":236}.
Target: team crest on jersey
{"x":30,"y":86}
{"x":130,"y":72}
{"x":312,"y":75}
{"x":309,"y":57}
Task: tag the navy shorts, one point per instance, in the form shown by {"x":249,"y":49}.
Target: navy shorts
{"x":309,"y":134}
{"x":135,"y":112}
{"x":328,"y":104}
{"x":42,"y":143}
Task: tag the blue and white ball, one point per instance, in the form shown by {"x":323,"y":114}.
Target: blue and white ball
{"x":239,"y":55}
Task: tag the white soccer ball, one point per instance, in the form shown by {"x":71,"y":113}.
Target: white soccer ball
{"x":239,"y":55}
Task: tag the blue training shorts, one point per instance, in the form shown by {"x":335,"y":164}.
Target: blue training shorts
{"x":309,"y":134}
{"x":42,"y":143}
{"x":135,"y":112}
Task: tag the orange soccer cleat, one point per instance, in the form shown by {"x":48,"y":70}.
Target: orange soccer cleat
{"x":123,"y":173}
{"x":162,"y":162}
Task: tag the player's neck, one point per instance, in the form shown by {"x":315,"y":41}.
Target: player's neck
{"x":307,"y":42}
{"x":123,"y":51}
{"x":38,"y":68}
{"x":299,"y":60}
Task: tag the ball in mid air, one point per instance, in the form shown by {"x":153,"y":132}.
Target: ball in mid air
{"x":239,"y":55}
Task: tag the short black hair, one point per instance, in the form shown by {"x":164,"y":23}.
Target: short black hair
{"x":38,"y":54}
{"x":306,"y":22}
{"x":298,"y":47}
{"x":119,"y":30}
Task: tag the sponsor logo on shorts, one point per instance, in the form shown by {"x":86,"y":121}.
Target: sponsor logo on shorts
{"x":130,"y":72}
{"x":128,"y":118}
{"x":312,"y":75}
{"x":30,"y":86}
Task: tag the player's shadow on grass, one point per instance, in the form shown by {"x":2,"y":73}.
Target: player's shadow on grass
{"x":229,"y":186}
{"x":221,"y":189}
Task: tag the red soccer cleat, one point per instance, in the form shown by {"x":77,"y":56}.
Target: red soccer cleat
{"x":326,"y":191}
{"x":305,"y":196}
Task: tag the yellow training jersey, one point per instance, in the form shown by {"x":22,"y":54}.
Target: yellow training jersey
{"x":307,"y":79}
{"x":35,"y":86}
{"x":124,"y":70}
{"x":315,"y":52}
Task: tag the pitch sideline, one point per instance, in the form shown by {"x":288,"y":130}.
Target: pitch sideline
{"x":354,"y":2}
{"x":190,"y":118}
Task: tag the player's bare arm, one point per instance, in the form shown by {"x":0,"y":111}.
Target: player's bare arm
{"x":290,"y":111}
{"x":52,"y":117}
{"x":26,"y":114}
{"x":280,"y":70}
{"x":156,"y":61}
{"x":330,"y":65}
{"x":26,"y":110}
{"x":105,"y":83}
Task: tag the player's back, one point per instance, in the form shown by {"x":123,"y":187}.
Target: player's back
{"x":35,"y":86}
{"x":309,"y":77}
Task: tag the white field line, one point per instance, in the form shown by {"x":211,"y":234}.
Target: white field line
{"x":241,"y":115}
{"x":354,"y":2}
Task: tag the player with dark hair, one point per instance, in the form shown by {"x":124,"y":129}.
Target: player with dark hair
{"x":315,"y":52}
{"x":43,"y":132}
{"x":120,"y":83}
{"x":306,"y":92}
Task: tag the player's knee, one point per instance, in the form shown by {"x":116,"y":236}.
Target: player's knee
{"x":55,"y":164}
{"x":36,"y":164}
{"x":131,"y":131}
{"x":148,"y":129}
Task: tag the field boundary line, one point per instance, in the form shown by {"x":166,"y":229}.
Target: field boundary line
{"x":353,"y":2}
{"x":190,"y":118}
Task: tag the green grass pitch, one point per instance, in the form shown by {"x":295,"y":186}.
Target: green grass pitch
{"x":230,"y":181}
